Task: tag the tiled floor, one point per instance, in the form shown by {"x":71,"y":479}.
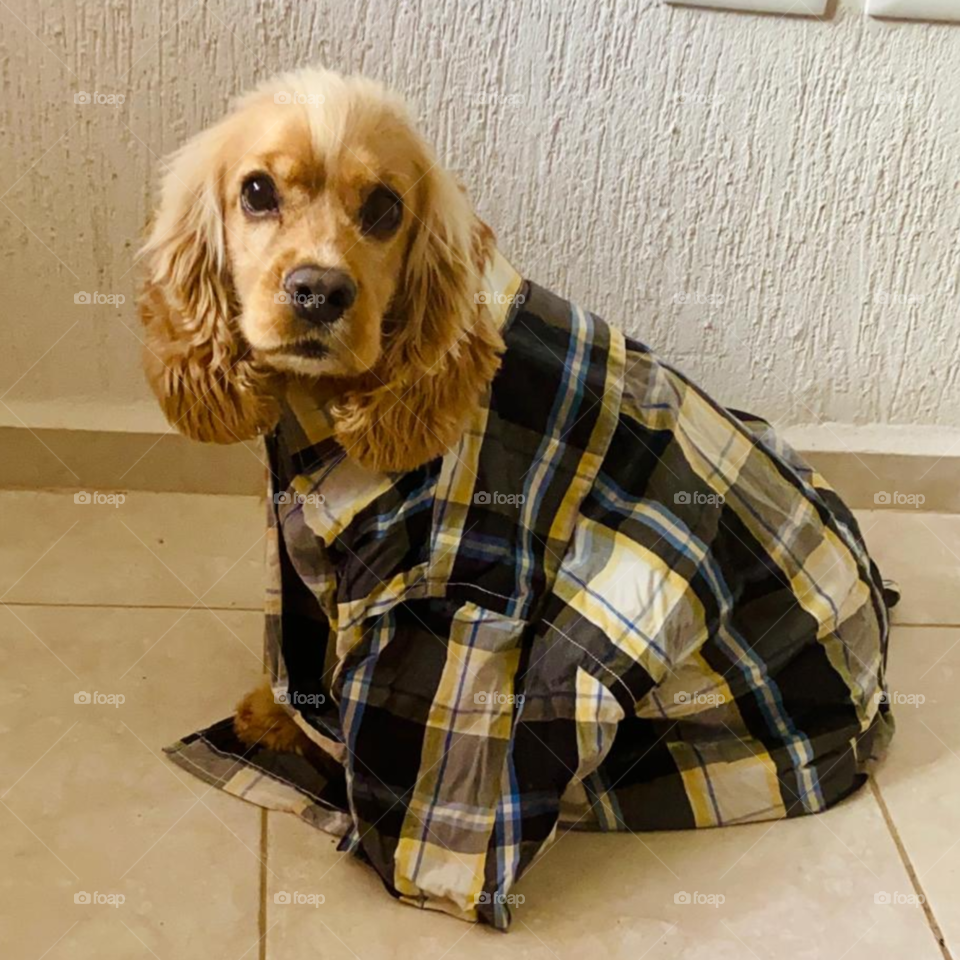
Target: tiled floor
{"x":157,"y":600}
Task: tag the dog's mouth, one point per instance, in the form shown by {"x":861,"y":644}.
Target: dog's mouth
{"x":312,"y":349}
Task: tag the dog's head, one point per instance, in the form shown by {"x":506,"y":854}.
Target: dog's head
{"x":312,"y":233}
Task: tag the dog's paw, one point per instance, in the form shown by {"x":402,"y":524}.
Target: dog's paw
{"x":261,"y":721}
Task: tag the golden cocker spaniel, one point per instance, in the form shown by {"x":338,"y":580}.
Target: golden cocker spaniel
{"x":313,"y":234}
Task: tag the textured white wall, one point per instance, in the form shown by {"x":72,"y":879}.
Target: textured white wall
{"x":741,"y":192}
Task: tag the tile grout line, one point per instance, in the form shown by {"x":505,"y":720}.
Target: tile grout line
{"x":911,"y":872}
{"x":933,"y":626}
{"x":946,"y":625}
{"x":264,"y":836}
{"x":262,"y":913}
{"x":130,"y":606}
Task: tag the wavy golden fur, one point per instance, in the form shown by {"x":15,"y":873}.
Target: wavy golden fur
{"x":405,"y":363}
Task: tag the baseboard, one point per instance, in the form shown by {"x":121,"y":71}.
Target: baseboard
{"x":870,"y":467}
{"x":883,"y":481}
{"x":884,"y":466}
{"x":93,"y":460}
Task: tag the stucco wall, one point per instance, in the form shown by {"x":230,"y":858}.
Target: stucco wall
{"x":770,"y":202}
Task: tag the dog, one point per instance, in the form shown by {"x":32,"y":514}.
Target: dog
{"x":321,"y":240}
{"x":678,"y":618}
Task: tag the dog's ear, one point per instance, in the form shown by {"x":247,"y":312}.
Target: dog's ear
{"x":441,"y":348}
{"x":197,"y":364}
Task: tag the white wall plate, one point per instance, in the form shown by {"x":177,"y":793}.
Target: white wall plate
{"x":799,"y":8}
{"x":915,"y":9}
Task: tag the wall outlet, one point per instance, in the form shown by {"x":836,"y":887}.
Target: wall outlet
{"x":799,"y":8}
{"x":915,"y":9}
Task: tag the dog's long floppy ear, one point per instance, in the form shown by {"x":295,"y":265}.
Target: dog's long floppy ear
{"x":197,"y":364}
{"x":441,"y":348}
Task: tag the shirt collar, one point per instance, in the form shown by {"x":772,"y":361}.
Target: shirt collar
{"x":308,"y":411}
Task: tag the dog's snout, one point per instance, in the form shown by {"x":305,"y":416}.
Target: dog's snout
{"x":319,"y":295}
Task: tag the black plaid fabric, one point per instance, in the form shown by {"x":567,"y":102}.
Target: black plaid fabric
{"x":615,"y":605}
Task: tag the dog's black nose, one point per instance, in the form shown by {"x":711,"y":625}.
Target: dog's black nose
{"x":319,"y":295}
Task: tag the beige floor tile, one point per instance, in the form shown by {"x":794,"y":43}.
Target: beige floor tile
{"x":800,"y":889}
{"x":920,"y":782}
{"x":922,"y":552}
{"x":163,"y":549}
{"x":88,"y":803}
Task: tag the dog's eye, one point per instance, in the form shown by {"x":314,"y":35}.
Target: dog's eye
{"x":381,"y":213}
{"x":259,"y":195}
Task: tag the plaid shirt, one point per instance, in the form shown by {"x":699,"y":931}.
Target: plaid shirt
{"x":615,"y":605}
